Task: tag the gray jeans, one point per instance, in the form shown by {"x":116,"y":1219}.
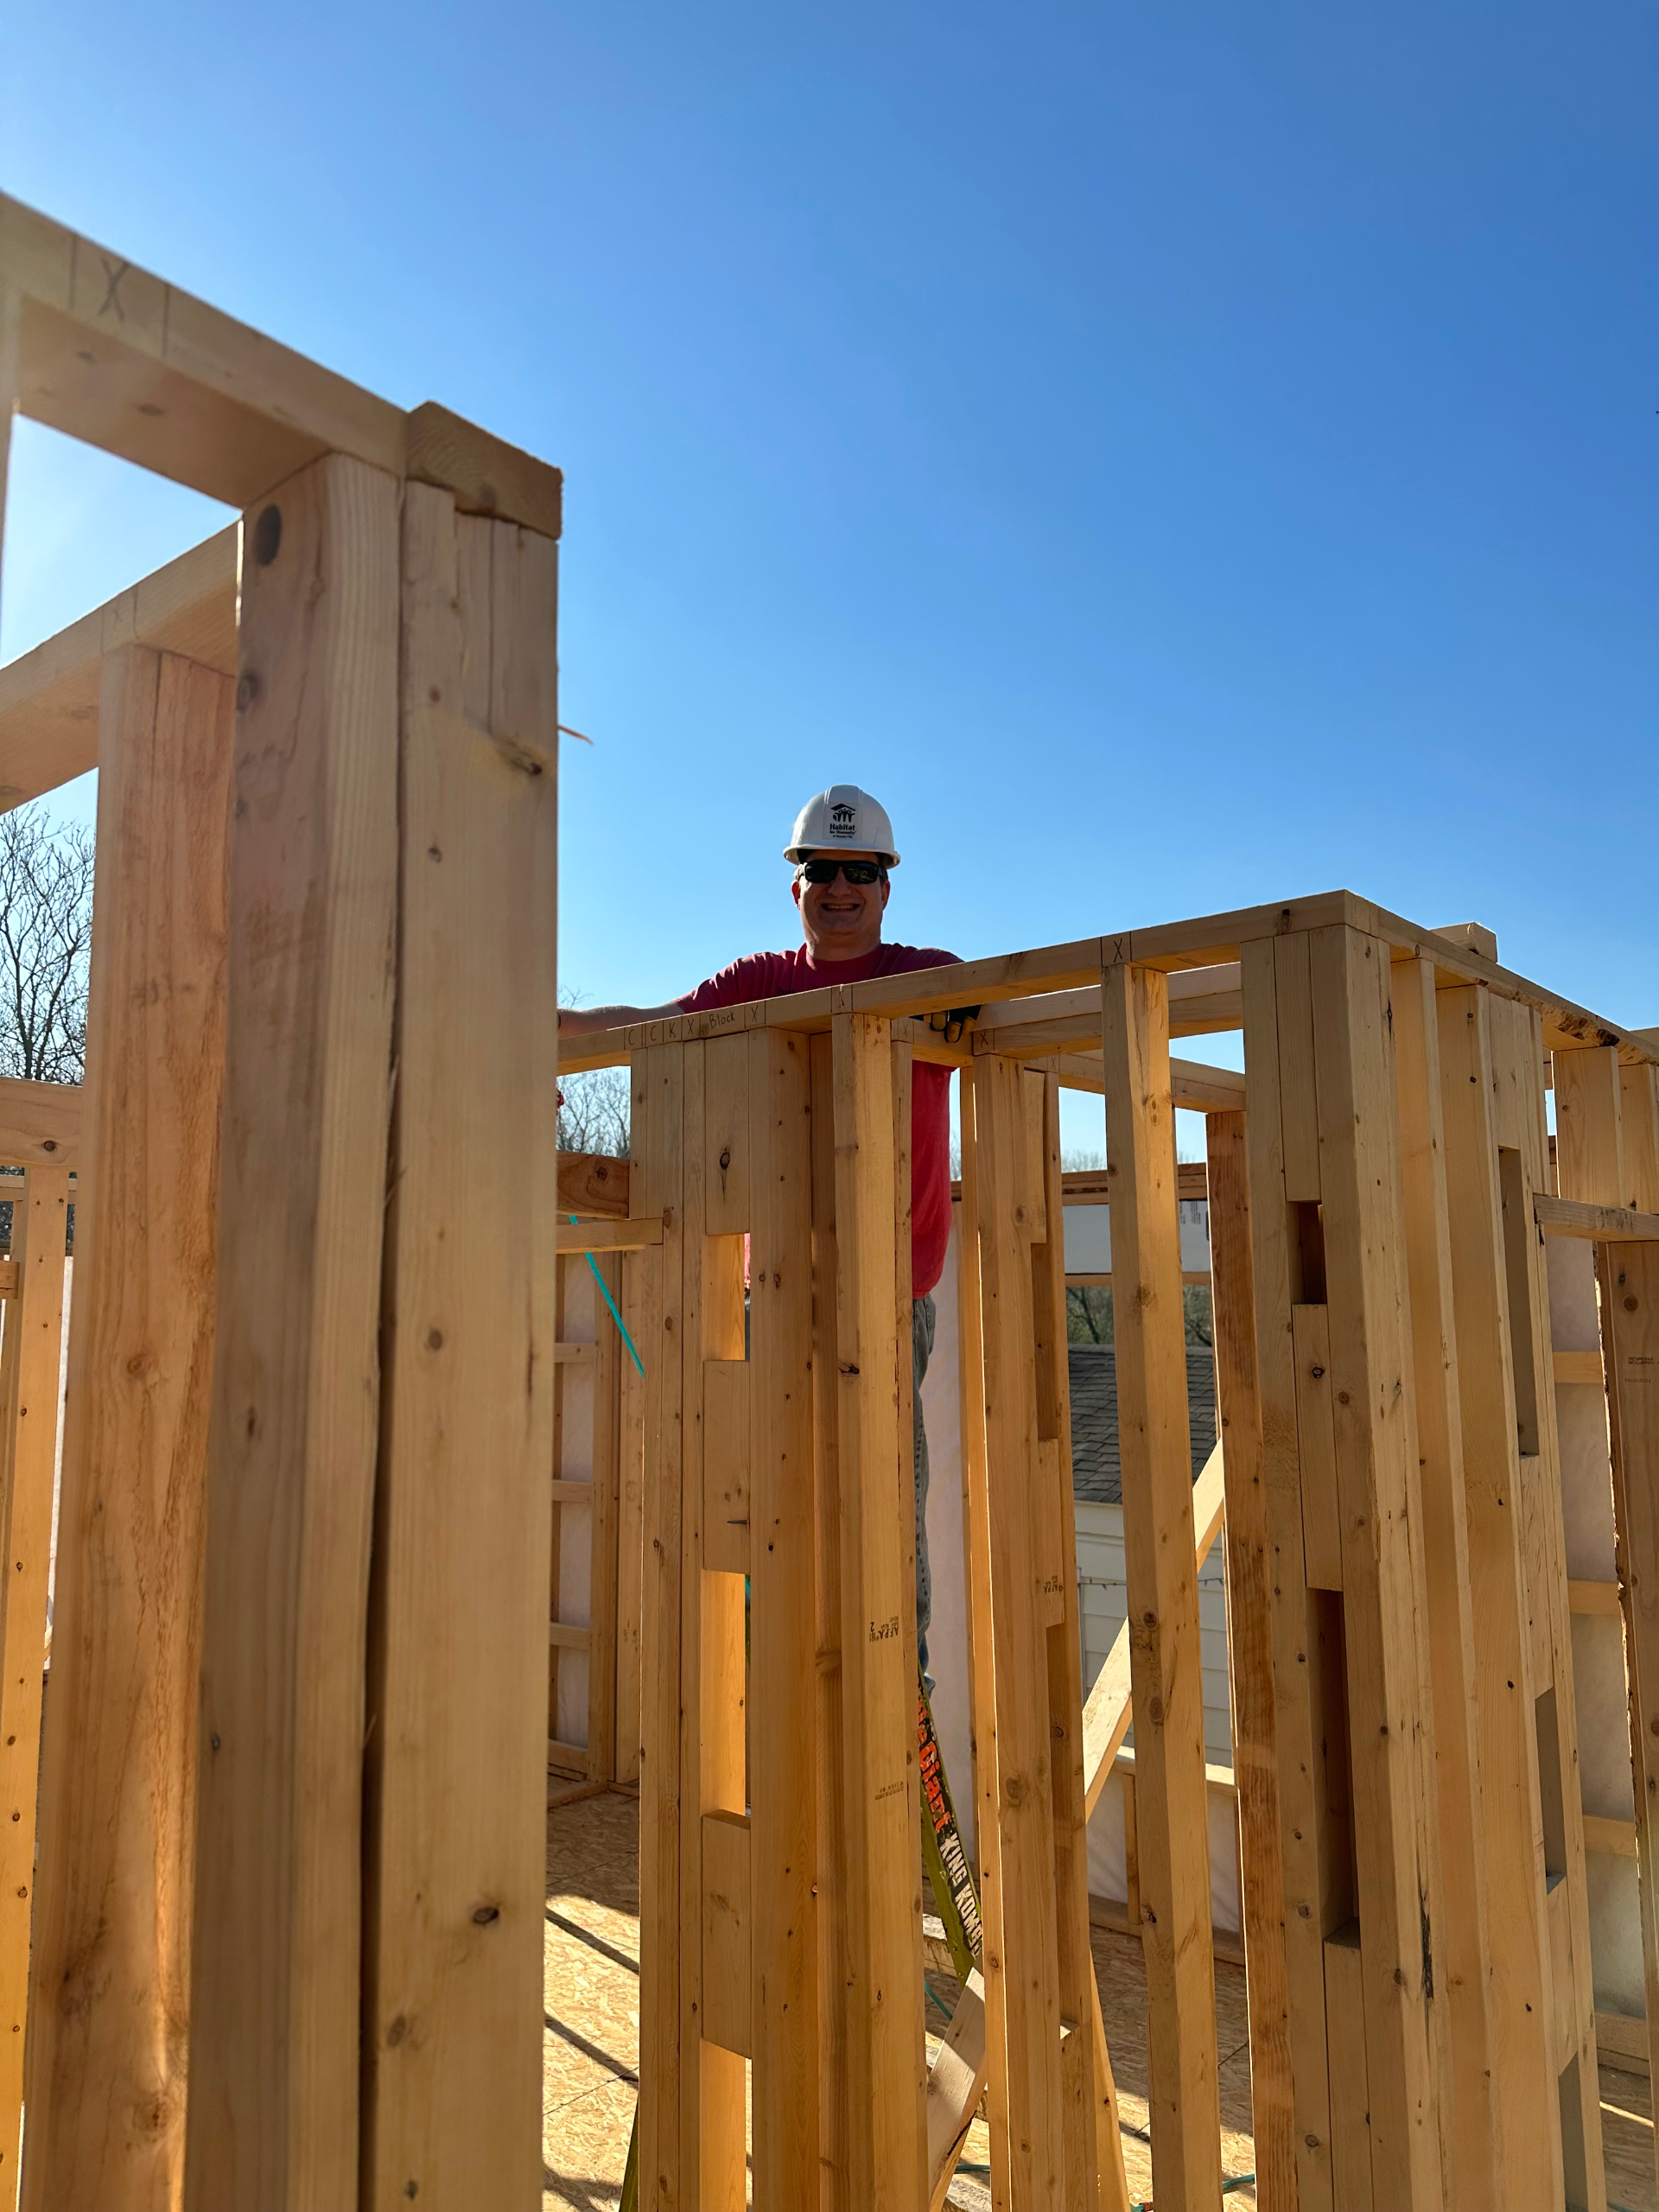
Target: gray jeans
{"x":922,"y":1320}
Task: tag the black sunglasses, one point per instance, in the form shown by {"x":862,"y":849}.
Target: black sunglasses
{"x":826,"y":871}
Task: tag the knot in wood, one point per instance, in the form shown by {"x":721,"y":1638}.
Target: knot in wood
{"x":268,"y":535}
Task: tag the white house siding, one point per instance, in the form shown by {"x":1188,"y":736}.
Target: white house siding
{"x":1102,"y":1604}
{"x":1088,"y":1238}
{"x":1100,"y":1561}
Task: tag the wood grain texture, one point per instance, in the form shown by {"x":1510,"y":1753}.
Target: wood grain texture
{"x":555,"y":1533}
{"x":294,"y":1431}
{"x":30,"y":1380}
{"x":1630,"y":1283}
{"x":1304,"y":1841}
{"x":49,"y":696}
{"x":1471,"y":2147}
{"x":1512,"y":1823}
{"x":881,"y":1900}
{"x":485,"y":474}
{"x":836,"y":2134}
{"x":712,"y":1676}
{"x":1089,"y":2114}
{"x":1521,"y":1126}
{"x":1638,"y":1089}
{"x":657,"y":1182}
{"x":1351,"y":2127}
{"x":1249,"y":1643}
{"x":1589,"y":1126}
{"x":591,"y":1183}
{"x":119,"y":358}
{"x":1172,"y":1820}
{"x":711,"y":1611}
{"x":1390,"y":1716}
{"x":1017,"y":1843}
{"x":609,"y":1354}
{"x":112,"y":1958}
{"x":783,"y":1793}
{"x":42,"y":1124}
{"x":954,"y":2093}
{"x":629,"y":1558}
{"x":458,"y":1648}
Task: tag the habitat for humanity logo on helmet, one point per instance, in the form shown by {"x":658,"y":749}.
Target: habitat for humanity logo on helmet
{"x":843,"y":814}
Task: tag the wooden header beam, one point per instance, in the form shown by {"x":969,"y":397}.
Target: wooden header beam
{"x":48,"y":698}
{"x":110,"y":354}
{"x":1194,"y":1087}
{"x":1210,"y":941}
{"x":1201,"y":1001}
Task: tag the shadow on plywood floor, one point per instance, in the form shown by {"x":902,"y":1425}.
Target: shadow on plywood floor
{"x":591,"y":2047}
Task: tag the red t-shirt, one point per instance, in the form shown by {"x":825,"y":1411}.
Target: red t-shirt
{"x":778,"y":975}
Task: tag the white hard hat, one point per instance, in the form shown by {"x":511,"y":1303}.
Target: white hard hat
{"x":843,"y":816}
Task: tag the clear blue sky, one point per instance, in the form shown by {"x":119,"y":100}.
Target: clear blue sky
{"x":1175,"y":456}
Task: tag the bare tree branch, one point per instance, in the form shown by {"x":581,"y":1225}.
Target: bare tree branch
{"x":595,"y":1115}
{"x":46,"y":929}
{"x":594,"y":1108}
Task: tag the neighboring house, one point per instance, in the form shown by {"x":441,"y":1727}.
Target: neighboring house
{"x":1098,"y":1486}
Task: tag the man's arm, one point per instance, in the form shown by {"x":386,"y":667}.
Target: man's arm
{"x":577,"y":1020}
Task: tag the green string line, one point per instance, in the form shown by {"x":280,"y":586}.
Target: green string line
{"x":611,"y":1302}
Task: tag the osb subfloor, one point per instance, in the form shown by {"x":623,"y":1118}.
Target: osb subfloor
{"x":591,"y":2048}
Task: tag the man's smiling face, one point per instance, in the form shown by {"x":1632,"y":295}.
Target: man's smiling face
{"x":840,"y":920}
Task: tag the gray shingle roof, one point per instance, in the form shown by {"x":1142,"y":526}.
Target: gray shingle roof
{"x":1097,"y":1475}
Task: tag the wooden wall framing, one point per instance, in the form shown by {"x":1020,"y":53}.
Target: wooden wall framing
{"x":312,"y":1473}
{"x":316,"y":1320}
{"x":1415,"y":1944}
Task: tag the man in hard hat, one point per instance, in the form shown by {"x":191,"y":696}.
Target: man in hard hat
{"x":842,"y":849}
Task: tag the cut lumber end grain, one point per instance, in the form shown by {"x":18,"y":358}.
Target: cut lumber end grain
{"x":487,"y":475}
{"x":40,"y":1124}
{"x":592,"y":1183}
